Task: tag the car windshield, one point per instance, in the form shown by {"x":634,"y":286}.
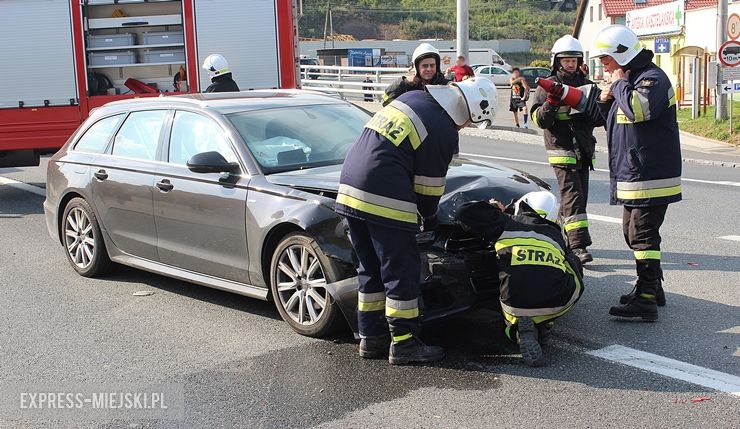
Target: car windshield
{"x":295,"y":138}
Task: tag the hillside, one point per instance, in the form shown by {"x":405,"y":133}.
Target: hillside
{"x":422,"y":19}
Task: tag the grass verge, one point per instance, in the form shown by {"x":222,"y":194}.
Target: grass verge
{"x":706,"y":126}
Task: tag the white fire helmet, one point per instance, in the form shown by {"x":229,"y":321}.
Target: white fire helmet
{"x":425,"y":50}
{"x":216,"y":65}
{"x":542,"y":202}
{"x":565,"y":47}
{"x":473,"y":99}
{"x":618,"y":42}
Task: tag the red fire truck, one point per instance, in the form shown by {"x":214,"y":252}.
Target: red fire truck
{"x":63,"y":58}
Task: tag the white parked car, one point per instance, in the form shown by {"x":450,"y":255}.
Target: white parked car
{"x":496,"y":74}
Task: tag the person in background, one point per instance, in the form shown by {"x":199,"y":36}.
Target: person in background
{"x":519,"y":96}
{"x":220,"y":74}
{"x":425,"y":72}
{"x":461,"y":70}
{"x":569,"y":141}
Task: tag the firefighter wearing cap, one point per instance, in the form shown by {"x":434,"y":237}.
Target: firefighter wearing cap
{"x":569,"y":142}
{"x":390,"y":185}
{"x":426,"y":72}
{"x":639,"y":105}
{"x":540,"y":277}
{"x":220,"y":74}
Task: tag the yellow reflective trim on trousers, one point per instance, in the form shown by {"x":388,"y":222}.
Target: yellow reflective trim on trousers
{"x":575,"y":225}
{"x":510,"y":242}
{"x":399,"y":338}
{"x":371,"y":306}
{"x":402,"y":314}
{"x":561,"y":160}
{"x":377,"y":210}
{"x":647,"y":254}
{"x":434,"y":191}
{"x":648,"y":193}
{"x":394,"y":125}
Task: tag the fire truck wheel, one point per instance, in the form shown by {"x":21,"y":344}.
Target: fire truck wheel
{"x":83,"y":241}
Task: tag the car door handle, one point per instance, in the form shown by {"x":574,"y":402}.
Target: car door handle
{"x":164,"y":185}
{"x":100,"y":175}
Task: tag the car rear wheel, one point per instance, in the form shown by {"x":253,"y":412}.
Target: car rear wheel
{"x":299,"y":272}
{"x":85,"y":248}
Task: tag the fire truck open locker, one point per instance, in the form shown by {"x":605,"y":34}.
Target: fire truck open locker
{"x":60,"y":54}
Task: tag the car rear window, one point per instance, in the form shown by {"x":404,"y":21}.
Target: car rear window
{"x":96,"y":137}
{"x":293,"y":138}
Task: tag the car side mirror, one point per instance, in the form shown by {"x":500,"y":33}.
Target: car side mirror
{"x":211,"y":162}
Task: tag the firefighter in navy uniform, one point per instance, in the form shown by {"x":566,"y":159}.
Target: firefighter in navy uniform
{"x":541,"y":279}
{"x":392,"y":179}
{"x":639,"y":106}
{"x":426,"y":72}
{"x":220,"y":74}
{"x":569,"y":142}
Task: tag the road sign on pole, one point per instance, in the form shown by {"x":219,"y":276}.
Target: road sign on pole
{"x":733,"y":26}
{"x":729,"y":53}
{"x":730,"y":87}
{"x":730,"y":73}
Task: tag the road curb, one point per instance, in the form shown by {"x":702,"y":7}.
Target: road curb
{"x":497,"y":132}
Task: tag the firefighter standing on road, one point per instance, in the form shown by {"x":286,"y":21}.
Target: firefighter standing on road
{"x":426,"y":72}
{"x":220,"y":74}
{"x":394,"y":173}
{"x":569,"y":142}
{"x":639,"y":105}
{"x":541,"y":278}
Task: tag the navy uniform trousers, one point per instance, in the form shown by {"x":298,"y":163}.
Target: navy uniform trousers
{"x":388,"y":274}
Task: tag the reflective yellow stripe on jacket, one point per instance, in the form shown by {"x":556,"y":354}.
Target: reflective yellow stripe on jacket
{"x":377,"y":205}
{"x":649,"y":189}
{"x":396,"y":122}
{"x":433,"y":186}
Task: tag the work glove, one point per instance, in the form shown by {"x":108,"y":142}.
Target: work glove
{"x":555,"y":94}
{"x":430,"y":223}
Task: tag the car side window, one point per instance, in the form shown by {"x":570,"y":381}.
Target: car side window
{"x":485,"y":70}
{"x":527,"y":73}
{"x":192,"y":134}
{"x":139,"y":135}
{"x":496,"y":70}
{"x":96,"y":137}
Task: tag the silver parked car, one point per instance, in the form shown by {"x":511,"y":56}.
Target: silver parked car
{"x":236,"y":191}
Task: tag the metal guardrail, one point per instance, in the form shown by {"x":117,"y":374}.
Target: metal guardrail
{"x":349,"y":82}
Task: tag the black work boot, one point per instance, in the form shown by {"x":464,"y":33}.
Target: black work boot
{"x":642,"y":305}
{"x":659,"y":296}
{"x":529,"y":346}
{"x":375,"y":347}
{"x":414,"y":350}
{"x":583,"y":255}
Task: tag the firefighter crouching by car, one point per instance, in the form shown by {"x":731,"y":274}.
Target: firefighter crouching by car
{"x":639,"y":105}
{"x":425,"y":72}
{"x":394,"y":173}
{"x":540,"y":278}
{"x":569,"y":142}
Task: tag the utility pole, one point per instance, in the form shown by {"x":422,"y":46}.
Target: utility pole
{"x":328,"y":24}
{"x":721,"y":108}
{"x":462,"y":28}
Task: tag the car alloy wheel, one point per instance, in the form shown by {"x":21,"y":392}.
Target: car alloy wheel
{"x":79,"y":238}
{"x":301,"y":284}
{"x":83,"y":240}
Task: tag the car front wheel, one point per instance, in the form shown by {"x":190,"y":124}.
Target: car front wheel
{"x":299,"y":273}
{"x":83,"y":242}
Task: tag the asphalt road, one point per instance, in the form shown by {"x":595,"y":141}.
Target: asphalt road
{"x":241,"y":366}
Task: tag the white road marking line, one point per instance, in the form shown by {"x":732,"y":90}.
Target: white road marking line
{"x":670,"y":368}
{"x":22,"y":186}
{"x":604,"y":218}
{"x":731,"y":237}
{"x":527,"y":161}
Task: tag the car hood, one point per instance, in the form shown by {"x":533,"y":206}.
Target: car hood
{"x":467,"y":180}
